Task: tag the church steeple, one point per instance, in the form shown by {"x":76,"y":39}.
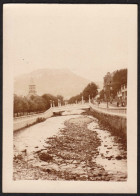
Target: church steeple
{"x":32,"y":88}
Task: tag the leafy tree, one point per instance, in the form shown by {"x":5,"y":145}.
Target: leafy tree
{"x":102,"y":94}
{"x":32,"y":106}
{"x":119,"y":78}
{"x":91,"y":89}
{"x":46,"y":99}
{"x":25,"y":104}
{"x":18,"y":104}
{"x":75,"y":98}
{"x":39,"y":104}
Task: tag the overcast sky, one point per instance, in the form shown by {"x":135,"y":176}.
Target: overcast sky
{"x":90,"y":40}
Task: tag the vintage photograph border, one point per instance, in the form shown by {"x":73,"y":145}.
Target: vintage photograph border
{"x":1,"y":77}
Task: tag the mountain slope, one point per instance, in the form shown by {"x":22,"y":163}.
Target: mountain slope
{"x":53,"y":81}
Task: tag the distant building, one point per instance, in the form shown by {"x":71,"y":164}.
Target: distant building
{"x":122,"y":95}
{"x":32,"y":88}
{"x":108,"y":79}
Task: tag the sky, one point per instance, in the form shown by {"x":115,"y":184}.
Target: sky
{"x":89,"y":40}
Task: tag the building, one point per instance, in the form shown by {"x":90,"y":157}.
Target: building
{"x":122,"y":95}
{"x":108,"y":79}
{"x":32,"y":88}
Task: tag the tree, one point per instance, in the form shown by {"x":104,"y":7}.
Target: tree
{"x":25,"y":104}
{"x":102,"y":94}
{"x":91,"y":89}
{"x":48,"y":98}
{"x":119,"y":78}
{"x":39,"y":104}
{"x":75,"y":98}
{"x":32,"y":106}
{"x":18,"y":104}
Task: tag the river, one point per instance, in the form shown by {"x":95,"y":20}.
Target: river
{"x":69,"y":147}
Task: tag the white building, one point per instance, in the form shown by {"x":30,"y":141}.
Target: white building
{"x":122,"y":94}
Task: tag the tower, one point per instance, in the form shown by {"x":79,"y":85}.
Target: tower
{"x":32,"y":88}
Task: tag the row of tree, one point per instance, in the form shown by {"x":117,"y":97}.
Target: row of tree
{"x":34,"y":104}
{"x":90,"y":89}
{"x":119,"y":78}
{"x":26,"y":105}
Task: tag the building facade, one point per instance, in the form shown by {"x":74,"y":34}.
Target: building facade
{"x":122,"y":95}
{"x":32,"y":88}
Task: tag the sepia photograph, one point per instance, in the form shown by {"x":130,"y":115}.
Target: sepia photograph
{"x":70,"y":98}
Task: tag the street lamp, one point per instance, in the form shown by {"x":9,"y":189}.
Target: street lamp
{"x":51,"y":103}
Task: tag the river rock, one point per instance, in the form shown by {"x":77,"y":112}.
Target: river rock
{"x":118,"y":157}
{"x":109,"y":147}
{"x":44,"y":156}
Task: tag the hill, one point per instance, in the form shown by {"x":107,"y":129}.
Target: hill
{"x":52,"y":81}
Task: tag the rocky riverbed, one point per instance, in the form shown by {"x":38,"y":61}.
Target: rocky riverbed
{"x":72,"y":147}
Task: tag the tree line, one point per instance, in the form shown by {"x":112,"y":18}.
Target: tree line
{"x":119,"y":77}
{"x":24,"y":105}
{"x":34,"y":104}
{"x":90,"y":89}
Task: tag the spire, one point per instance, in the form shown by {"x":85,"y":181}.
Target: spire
{"x":32,"y":87}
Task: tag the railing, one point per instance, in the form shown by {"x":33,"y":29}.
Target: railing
{"x":110,"y":110}
{"x":70,"y":107}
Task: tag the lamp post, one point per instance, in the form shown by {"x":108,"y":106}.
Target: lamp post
{"x":51,"y":103}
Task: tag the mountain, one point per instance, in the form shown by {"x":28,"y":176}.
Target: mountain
{"x":53,"y":81}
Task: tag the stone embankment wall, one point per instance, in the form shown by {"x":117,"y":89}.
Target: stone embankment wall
{"x":25,"y":121}
{"x":116,"y":121}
